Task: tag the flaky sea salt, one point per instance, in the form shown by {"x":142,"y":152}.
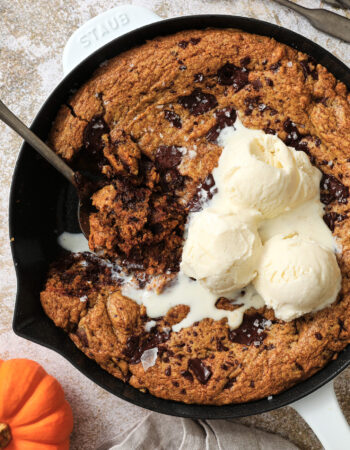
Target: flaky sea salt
{"x":149,"y":357}
{"x":149,"y":325}
{"x":83,"y":299}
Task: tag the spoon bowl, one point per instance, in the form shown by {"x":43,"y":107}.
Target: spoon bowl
{"x":45,"y":151}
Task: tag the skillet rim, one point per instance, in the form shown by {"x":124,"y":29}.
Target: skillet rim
{"x":27,"y":329}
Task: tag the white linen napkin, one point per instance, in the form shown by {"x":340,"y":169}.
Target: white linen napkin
{"x":160,"y":432}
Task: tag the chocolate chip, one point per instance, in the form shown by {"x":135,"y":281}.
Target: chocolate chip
{"x":317,"y":142}
{"x":131,"y":346}
{"x":195,"y":41}
{"x":269,"y":347}
{"x":167,"y":157}
{"x":231,"y":75}
{"x":81,"y":333}
{"x":257,"y":84}
{"x":198,"y":78}
{"x":175,"y":383}
{"x":306,"y":68}
{"x":168,"y":371}
{"x":171,"y":180}
{"x":245,"y":61}
{"x":183,"y":44}
{"x":137,"y":345}
{"x":333,"y":190}
{"x":251,"y":331}
{"x":252,"y":103}
{"x":269,"y":82}
{"x":173,"y":118}
{"x":299,"y":367}
{"x":275,"y":67}
{"x":220,"y":347}
{"x":225,"y":117}
{"x":332,"y":217}
{"x":200,"y":370}
{"x":269,"y":131}
{"x":230,"y":383}
{"x":318,"y":336}
{"x":294,"y":137}
{"x":198,"y":102}
{"x":341,"y":325}
{"x":252,"y":384}
{"x":183,"y":391}
{"x":187,"y":374}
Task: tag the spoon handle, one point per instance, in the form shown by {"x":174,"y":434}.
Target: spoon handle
{"x":339,"y":3}
{"x":322,"y":19}
{"x":18,"y":126}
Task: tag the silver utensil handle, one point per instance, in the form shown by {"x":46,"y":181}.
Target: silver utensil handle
{"x":18,"y":126}
{"x":339,"y":3}
{"x":326,"y":21}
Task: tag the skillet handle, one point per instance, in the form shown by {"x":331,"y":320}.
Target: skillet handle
{"x":322,"y":412}
{"x":101,"y":29}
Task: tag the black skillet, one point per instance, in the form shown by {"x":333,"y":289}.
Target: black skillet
{"x":42,"y":205}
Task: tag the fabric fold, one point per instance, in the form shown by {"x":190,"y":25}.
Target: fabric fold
{"x":160,"y":432}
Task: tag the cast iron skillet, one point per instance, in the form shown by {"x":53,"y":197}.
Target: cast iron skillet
{"x":43,"y":205}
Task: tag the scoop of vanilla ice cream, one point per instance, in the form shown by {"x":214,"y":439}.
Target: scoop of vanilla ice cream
{"x":260,"y":172}
{"x":221,"y":251}
{"x":309,"y":178}
{"x":297,"y":276}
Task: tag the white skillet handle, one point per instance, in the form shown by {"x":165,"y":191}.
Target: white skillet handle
{"x":102,"y":29}
{"x":322,"y":412}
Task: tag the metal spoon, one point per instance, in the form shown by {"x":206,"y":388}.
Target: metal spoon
{"x":322,"y":19}
{"x":44,"y":150}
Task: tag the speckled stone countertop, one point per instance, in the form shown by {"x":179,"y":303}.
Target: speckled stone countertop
{"x":32,"y":38}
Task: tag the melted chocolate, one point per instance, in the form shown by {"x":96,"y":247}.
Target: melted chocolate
{"x":173,"y":118}
{"x":332,"y":218}
{"x":198,"y":102}
{"x":225,"y":117}
{"x":167,"y":157}
{"x":171,"y":180}
{"x":204,"y":192}
{"x":333,"y":190}
{"x":93,"y":133}
{"x":200,"y":370}
{"x":231,"y":75}
{"x":137,"y":345}
{"x":251,"y":331}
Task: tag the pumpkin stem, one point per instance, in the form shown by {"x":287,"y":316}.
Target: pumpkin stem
{"x":5,"y":435}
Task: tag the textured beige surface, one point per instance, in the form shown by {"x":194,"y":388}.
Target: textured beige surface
{"x":32,"y":38}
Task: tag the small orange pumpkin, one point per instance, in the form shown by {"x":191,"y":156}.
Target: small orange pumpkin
{"x":34,"y":414}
